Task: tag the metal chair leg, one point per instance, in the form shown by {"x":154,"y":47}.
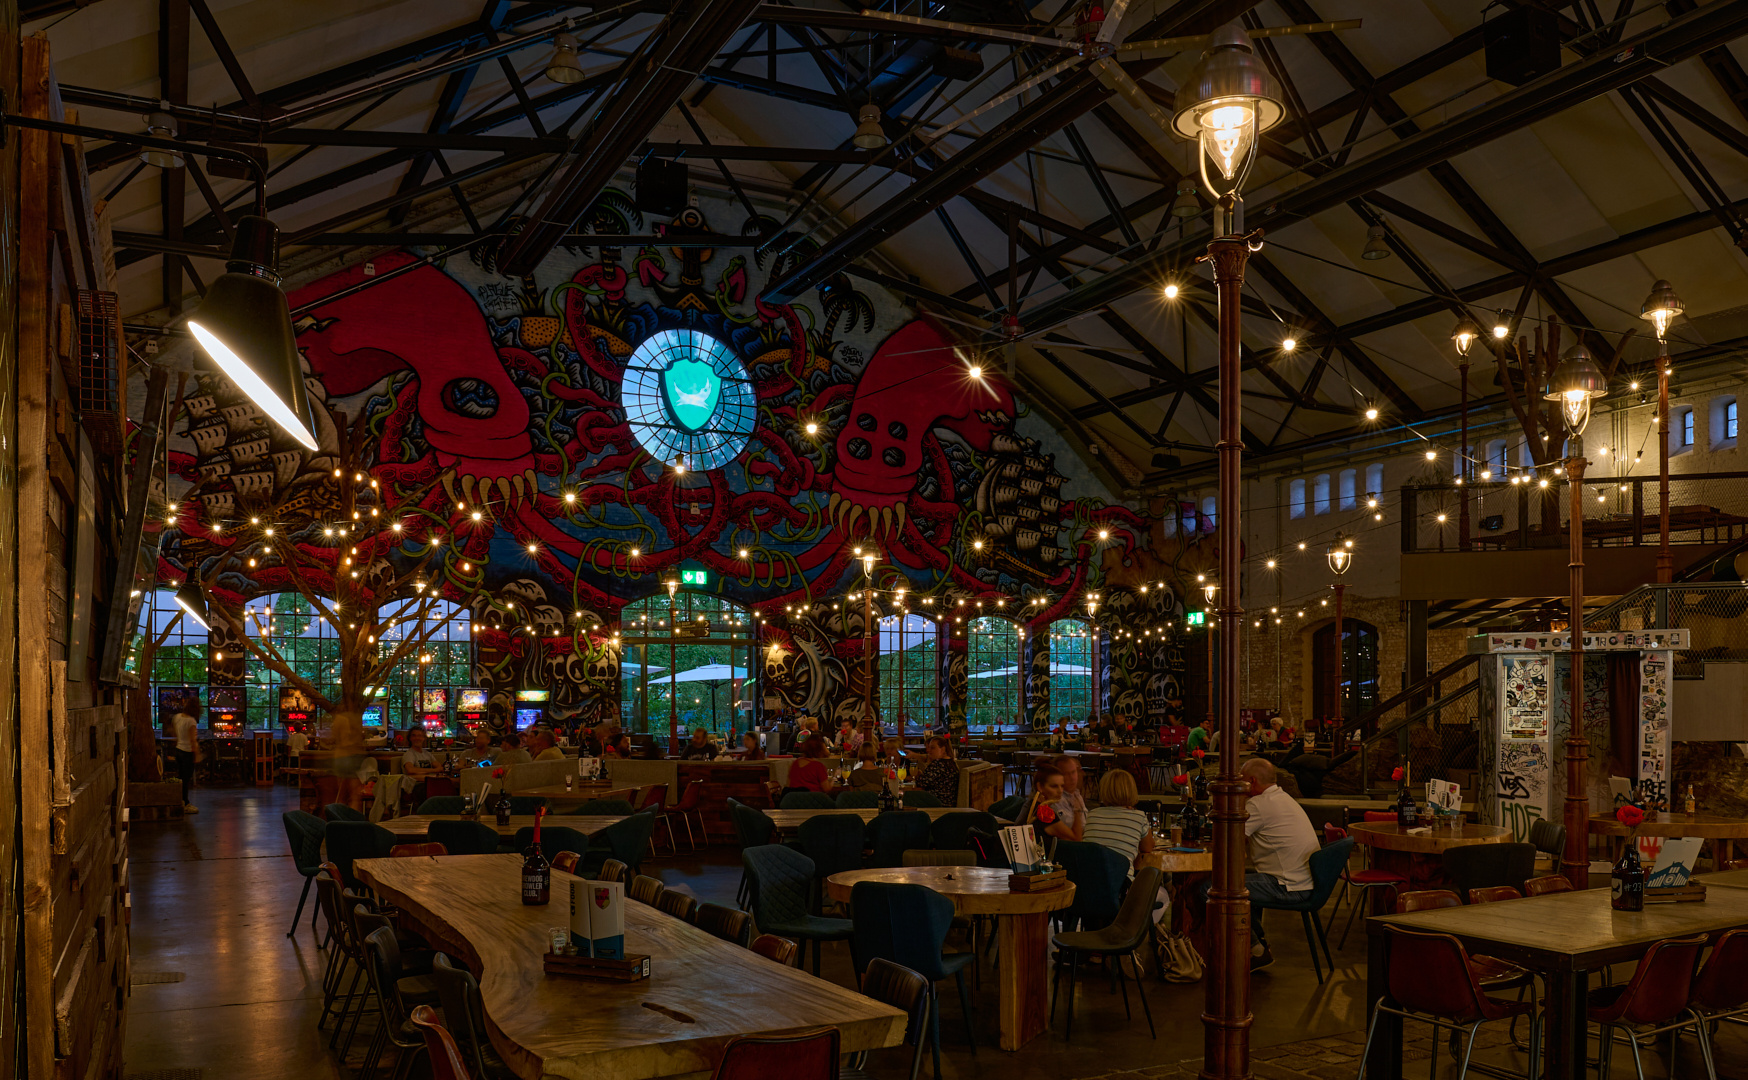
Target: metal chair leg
{"x":1469,"y":1049}
{"x":1311,"y":943}
{"x":965,"y":1007}
{"x":1141,"y":992}
{"x":1122,"y":982}
{"x":1068,"y":1029}
{"x":1638,"y":1063}
{"x":1366,"y":1053}
{"x":298,"y":914}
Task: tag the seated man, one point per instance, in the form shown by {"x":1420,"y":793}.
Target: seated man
{"x":1282,"y":842}
{"x":482,"y":749}
{"x":510,"y":750}
{"x":544,"y":745}
{"x":700,"y":748}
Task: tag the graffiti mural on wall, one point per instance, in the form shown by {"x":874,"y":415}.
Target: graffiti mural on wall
{"x":550,"y":405}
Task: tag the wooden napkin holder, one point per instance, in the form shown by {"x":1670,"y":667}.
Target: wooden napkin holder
{"x":634,"y":968}
{"x":1037,"y":881}
{"x":1691,"y":893}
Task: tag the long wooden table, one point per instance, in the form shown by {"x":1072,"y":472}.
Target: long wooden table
{"x":1727,"y":879}
{"x":417,"y":825}
{"x":558,"y":796}
{"x":787,"y":821}
{"x":1564,"y":936}
{"x":701,"y":991}
{"x":1723,"y":832}
{"x":1022,"y":930}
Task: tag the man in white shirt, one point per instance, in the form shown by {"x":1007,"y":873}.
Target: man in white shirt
{"x":186,"y":730}
{"x":1282,"y":842}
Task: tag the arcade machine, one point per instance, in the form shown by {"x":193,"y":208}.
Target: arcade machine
{"x":1524,"y":716}
{"x":170,"y":699}
{"x":530,"y":708}
{"x":372,"y":718}
{"x":296,"y":711}
{"x":470,"y":709}
{"x":225,"y":712}
{"x":434,"y":712}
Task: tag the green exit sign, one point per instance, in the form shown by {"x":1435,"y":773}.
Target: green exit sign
{"x":1196,"y":618}
{"x":694,"y":577}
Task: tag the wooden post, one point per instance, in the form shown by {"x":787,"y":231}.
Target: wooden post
{"x":1665,"y":561}
{"x":1576,"y":858}
{"x":1226,"y":1018}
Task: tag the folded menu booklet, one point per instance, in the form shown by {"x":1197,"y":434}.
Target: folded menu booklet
{"x":1674,"y":863}
{"x":1021,"y":845}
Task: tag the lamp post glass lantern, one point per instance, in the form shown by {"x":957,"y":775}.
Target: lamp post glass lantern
{"x":1225,"y":102}
{"x":1575,"y":384}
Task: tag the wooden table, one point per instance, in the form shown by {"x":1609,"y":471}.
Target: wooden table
{"x":701,"y":991}
{"x":1728,"y":879}
{"x":1022,"y":928}
{"x":1419,"y":858}
{"x":1723,"y":832}
{"x":417,"y":825}
{"x":1562,"y":935}
{"x":1179,"y":862}
{"x":787,"y":821}
{"x":558,"y":796}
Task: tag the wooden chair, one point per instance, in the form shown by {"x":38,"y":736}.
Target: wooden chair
{"x":413,"y":851}
{"x":678,"y":904}
{"x":612,"y":870}
{"x":446,"y":1063}
{"x":806,"y":1055}
{"x":645,"y":890}
{"x":780,"y":949}
{"x":729,"y":924}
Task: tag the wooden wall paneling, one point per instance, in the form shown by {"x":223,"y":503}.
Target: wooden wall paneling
{"x":11,"y":960}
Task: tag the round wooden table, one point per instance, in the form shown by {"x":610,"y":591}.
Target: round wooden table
{"x":1723,"y":832}
{"x":1419,"y":857}
{"x":1180,"y":862}
{"x":1022,"y":928}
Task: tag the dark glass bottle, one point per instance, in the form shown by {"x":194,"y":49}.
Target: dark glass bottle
{"x":887,"y":800}
{"x":1626,"y":886}
{"x":1189,"y":820}
{"x":1407,"y":813}
{"x":1200,"y":784}
{"x":536,"y":871}
{"x":502,"y":809}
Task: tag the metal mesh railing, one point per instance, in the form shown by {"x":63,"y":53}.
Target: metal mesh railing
{"x":1704,"y":508}
{"x":1435,"y":732}
{"x":1712,"y":613}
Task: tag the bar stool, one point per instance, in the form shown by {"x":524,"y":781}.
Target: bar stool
{"x":1432,"y":979}
{"x":1650,"y":1001}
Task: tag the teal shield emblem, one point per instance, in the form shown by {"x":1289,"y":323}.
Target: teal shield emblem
{"x":691,"y":389}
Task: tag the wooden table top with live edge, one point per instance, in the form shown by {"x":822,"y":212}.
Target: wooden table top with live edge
{"x":701,"y":991}
{"x":413,"y":825}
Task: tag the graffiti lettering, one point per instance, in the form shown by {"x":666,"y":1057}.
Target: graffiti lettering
{"x":1512,"y":786}
{"x":1518,"y":817}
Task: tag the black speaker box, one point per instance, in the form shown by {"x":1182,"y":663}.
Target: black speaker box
{"x":1522,"y":44}
{"x":663,"y":186}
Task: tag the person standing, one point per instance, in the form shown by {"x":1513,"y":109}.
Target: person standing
{"x":186,"y":730}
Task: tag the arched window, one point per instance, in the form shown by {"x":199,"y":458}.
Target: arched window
{"x":446,"y":631}
{"x":910,"y":672}
{"x":179,"y":664}
{"x":1358,"y":690}
{"x":1071,"y":670}
{"x":670,"y":684}
{"x":1320,"y":494}
{"x":1349,"y":481}
{"x":1375,"y":481}
{"x":286,"y":624}
{"x":1296,"y":498}
{"x":992,"y":689}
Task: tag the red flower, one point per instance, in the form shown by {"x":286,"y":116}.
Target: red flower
{"x":497,"y":774}
{"x":1630,"y":816}
{"x":1181,"y":779}
{"x":1198,"y":753}
{"x":1396,"y":774}
{"x":1045,"y":814}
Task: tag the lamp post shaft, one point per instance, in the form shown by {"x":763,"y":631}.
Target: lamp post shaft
{"x":1665,"y":561}
{"x":1226,"y":1017}
{"x":1575,"y":860}
{"x":1463,"y":471}
{"x":1340,"y":661}
{"x":868,"y":722}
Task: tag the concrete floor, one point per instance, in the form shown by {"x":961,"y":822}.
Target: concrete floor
{"x":213,"y":895}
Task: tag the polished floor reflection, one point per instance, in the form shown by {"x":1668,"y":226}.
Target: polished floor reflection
{"x":213,"y":894}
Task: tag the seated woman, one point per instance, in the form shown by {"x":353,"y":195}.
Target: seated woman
{"x":1047,"y":807}
{"x":866,"y":776}
{"x":939,"y":776}
{"x":1116,"y":823}
{"x":809,"y":772}
{"x":750,"y":743}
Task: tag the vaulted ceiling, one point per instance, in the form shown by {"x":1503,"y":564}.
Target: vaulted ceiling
{"x":430,"y":123}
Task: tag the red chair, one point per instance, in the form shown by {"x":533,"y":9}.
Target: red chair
{"x":413,"y":851}
{"x":1542,"y":886}
{"x":1719,"y":990}
{"x":807,"y":1055}
{"x":1491,"y":893}
{"x":1650,"y":1002}
{"x":1363,"y":881}
{"x":566,"y":861}
{"x":691,"y":803}
{"x":780,"y":949}
{"x":446,"y":1063}
{"x":1432,"y":978}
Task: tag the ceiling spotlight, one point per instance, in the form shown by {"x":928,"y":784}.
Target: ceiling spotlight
{"x":975,"y":371}
{"x":1186,"y":205}
{"x":244,"y":324}
{"x":1501,"y":325}
{"x":564,"y":66}
{"x":1432,"y":455}
{"x":812,"y":428}
{"x":1371,"y":411}
{"x":869,"y":134}
{"x":1171,"y":291}
{"x":1376,"y":247}
{"x":1289,"y":343}
{"x":161,"y":125}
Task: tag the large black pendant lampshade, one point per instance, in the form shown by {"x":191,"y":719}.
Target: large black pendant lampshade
{"x":244,"y":324}
{"x":193,"y":603}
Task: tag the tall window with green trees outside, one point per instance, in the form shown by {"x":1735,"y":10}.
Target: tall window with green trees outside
{"x":306,"y":641}
{"x":910,"y":672}
{"x":1071,"y":672}
{"x":992,"y":688}
{"x":449,"y":647}
{"x":673,"y":683}
{"x":181,"y":660}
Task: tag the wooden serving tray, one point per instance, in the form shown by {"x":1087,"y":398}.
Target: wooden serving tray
{"x":1030,"y":883}
{"x":633,"y":968}
{"x":1692,"y":892}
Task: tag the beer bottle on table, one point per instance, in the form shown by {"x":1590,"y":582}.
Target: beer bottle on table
{"x":1626,"y":886}
{"x":536,"y":871}
{"x":503,"y":808}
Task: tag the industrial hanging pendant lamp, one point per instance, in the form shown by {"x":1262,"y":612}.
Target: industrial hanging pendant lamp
{"x":161,"y":125}
{"x":564,"y":66}
{"x":244,"y":324}
{"x":193,"y":603}
{"x":869,"y":134}
{"x":1186,"y":205}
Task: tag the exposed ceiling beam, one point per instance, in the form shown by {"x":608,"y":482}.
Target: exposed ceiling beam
{"x":655,"y":77}
{"x":1646,"y":54}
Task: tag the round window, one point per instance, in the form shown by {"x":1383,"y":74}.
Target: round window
{"x":688,"y":397}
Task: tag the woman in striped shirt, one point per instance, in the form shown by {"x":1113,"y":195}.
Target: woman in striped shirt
{"x":1116,"y":823}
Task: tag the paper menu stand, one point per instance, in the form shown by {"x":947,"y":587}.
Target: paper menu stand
{"x":1620,"y":790}
{"x":1444,"y":795}
{"x":580,"y":916}
{"x":1020,"y":843}
{"x":606,"y":919}
{"x":1674,"y":863}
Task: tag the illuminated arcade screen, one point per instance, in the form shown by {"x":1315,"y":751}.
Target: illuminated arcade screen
{"x":470,"y":699}
{"x":434,"y":700}
{"x":527,"y":718}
